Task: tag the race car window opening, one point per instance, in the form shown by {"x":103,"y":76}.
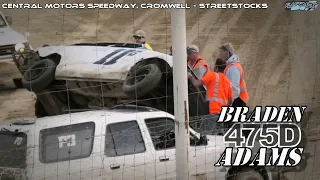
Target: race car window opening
{"x":124,"y":45}
{"x":162,"y":132}
{"x":123,"y":139}
{"x":66,"y":142}
{"x":13,"y":149}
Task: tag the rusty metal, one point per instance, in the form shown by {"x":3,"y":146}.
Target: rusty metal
{"x":186,"y":116}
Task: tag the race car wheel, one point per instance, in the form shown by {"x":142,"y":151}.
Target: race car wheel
{"x":246,"y":174}
{"x":142,"y":81}
{"x":39,"y":75}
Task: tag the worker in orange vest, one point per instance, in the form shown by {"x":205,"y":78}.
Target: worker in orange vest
{"x":196,"y":62}
{"x":219,"y":93}
{"x":235,"y":74}
{"x":219,"y":67}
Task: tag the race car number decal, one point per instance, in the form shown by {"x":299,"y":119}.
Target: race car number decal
{"x":104,"y":59}
{"x":121,"y":52}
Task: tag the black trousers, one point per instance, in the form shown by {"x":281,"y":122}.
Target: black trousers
{"x":239,"y":103}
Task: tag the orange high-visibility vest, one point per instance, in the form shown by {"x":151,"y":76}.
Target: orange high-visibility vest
{"x":199,"y":62}
{"x":219,"y":92}
{"x":244,"y":96}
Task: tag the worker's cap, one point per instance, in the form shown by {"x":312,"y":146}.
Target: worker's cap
{"x":193,"y":48}
{"x":228,"y":47}
{"x":140,"y":33}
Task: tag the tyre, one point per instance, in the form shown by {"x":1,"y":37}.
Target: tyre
{"x":246,"y":174}
{"x":142,"y":81}
{"x":39,"y":75}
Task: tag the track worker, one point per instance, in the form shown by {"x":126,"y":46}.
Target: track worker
{"x":219,"y":93}
{"x":140,"y":38}
{"x":196,"y":62}
{"x":235,"y":74}
{"x":220,"y":66}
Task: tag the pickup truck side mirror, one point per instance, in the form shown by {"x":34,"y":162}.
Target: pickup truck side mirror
{"x":9,"y":20}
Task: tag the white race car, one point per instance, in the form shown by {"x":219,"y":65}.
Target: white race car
{"x":82,"y":76}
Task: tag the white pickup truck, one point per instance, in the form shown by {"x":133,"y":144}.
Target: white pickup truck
{"x":123,"y":143}
{"x":8,"y":39}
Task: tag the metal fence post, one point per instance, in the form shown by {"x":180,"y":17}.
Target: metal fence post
{"x":180,"y":85}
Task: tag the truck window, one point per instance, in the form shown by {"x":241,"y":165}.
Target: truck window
{"x":162,"y":132}
{"x":66,"y":142}
{"x":123,"y":138}
{"x":13,"y":149}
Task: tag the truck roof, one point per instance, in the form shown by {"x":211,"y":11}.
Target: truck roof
{"x":112,"y":115}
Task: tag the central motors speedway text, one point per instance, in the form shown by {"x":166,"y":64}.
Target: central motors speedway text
{"x":133,"y":5}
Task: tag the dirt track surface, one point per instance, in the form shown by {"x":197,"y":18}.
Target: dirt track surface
{"x":279,"y":50}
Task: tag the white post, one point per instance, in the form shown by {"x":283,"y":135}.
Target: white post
{"x":180,"y":88}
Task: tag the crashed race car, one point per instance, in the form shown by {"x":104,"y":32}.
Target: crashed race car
{"x":90,"y":76}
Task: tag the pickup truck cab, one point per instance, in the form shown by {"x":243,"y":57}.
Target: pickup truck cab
{"x":8,"y":38}
{"x":124,"y":142}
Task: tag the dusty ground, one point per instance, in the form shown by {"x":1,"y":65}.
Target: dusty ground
{"x":279,"y":50}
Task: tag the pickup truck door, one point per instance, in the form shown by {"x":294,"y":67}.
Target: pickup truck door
{"x":201,"y":156}
{"x":160,"y":132}
{"x":127,"y":156}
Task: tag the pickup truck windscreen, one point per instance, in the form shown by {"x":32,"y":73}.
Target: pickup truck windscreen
{"x":13,"y":149}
